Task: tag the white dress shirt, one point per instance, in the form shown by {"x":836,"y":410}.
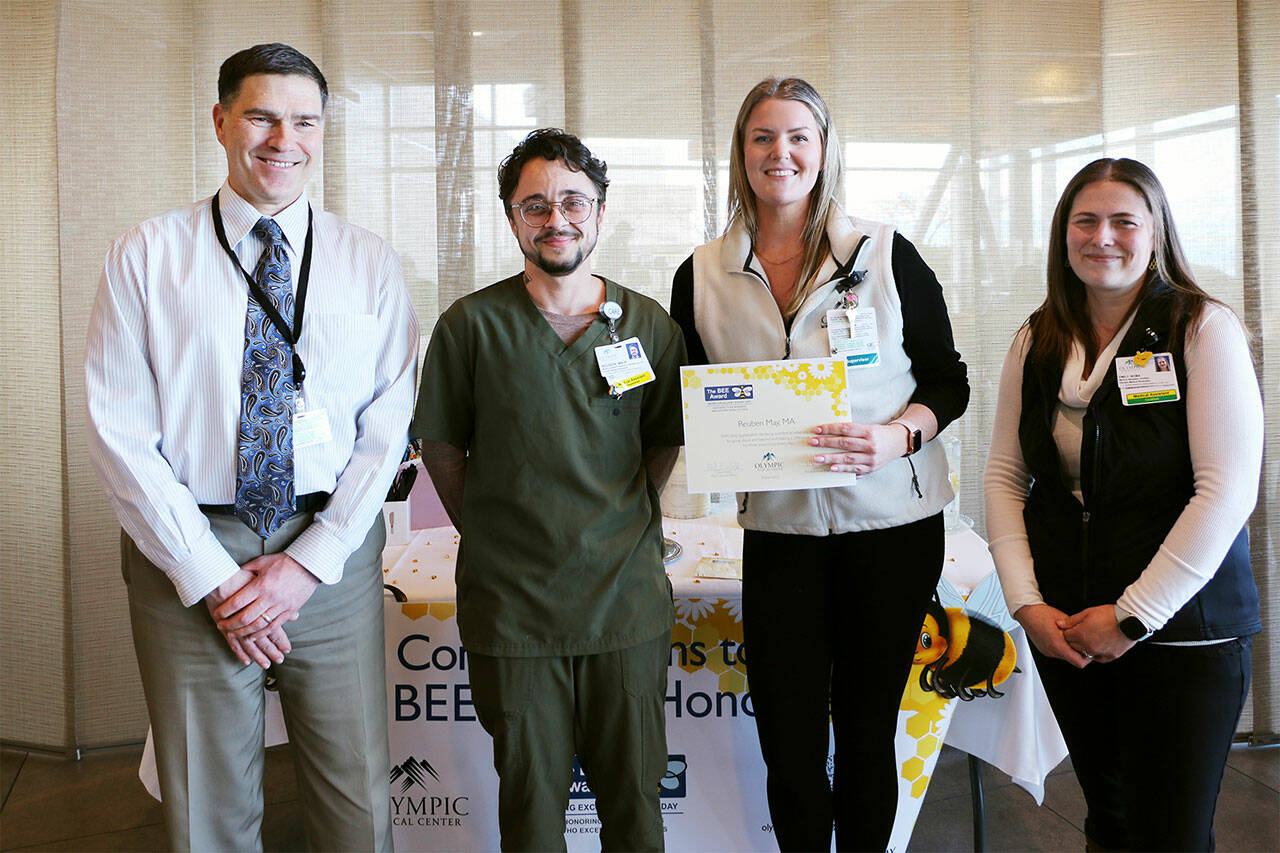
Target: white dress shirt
{"x":162,"y":374}
{"x":1224,"y":430}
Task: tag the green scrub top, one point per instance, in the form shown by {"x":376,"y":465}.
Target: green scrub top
{"x":561,"y":548}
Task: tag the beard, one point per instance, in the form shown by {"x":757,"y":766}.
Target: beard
{"x":559,"y":266}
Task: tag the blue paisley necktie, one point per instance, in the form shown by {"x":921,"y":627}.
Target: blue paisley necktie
{"x":264,"y":467}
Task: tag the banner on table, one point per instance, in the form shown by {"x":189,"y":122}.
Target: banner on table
{"x":444,"y":788}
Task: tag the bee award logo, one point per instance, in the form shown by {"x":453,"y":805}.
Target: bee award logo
{"x":581,"y":817}
{"x":672,"y":784}
{"x":720,"y":393}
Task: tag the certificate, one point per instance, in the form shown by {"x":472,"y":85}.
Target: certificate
{"x":747,"y":426}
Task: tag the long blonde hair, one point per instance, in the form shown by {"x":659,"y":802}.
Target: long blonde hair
{"x":823,"y":198}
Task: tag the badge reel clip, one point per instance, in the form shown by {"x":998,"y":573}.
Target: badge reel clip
{"x":612,"y":313}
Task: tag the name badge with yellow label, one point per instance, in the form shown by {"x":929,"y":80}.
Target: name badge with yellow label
{"x":1146,"y":378}
{"x":624,"y":365}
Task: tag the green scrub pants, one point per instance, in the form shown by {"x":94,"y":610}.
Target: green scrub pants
{"x":606,"y":708}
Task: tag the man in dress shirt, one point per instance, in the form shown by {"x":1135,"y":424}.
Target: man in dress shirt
{"x":551,"y":473}
{"x":250,"y":547}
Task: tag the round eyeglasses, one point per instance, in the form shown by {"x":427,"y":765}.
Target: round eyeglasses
{"x":537,"y":212}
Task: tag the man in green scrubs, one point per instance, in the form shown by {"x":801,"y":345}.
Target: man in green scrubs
{"x":548,"y":441}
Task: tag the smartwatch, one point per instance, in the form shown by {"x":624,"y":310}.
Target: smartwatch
{"x":1131,"y":626}
{"x":914,"y":438}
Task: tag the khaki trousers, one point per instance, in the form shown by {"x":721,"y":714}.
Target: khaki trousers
{"x":207,"y":710}
{"x":608,"y":709}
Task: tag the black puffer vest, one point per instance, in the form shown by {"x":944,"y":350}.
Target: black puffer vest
{"x":1135,"y":473}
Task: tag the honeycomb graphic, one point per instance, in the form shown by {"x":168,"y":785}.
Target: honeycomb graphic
{"x":925,"y":726}
{"x":442,"y":610}
{"x":805,"y":379}
{"x":710,"y":622}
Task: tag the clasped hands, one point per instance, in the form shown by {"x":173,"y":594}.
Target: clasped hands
{"x":1090,"y":636}
{"x":252,"y":607}
{"x":865,"y":447}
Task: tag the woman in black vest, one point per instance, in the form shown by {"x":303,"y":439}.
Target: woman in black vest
{"x":1117,"y":494}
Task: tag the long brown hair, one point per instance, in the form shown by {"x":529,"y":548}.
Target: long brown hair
{"x":1064,"y":314}
{"x":822,"y":199}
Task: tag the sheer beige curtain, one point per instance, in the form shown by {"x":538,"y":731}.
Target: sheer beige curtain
{"x":961,"y":121}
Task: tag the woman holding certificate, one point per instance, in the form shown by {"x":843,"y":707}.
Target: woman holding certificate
{"x":1117,"y":494}
{"x":835,"y":580}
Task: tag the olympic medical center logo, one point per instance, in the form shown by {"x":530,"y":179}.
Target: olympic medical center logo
{"x":413,"y":773}
{"x":419,"y":796}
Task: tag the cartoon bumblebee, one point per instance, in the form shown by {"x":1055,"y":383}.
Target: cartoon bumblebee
{"x":963,"y":655}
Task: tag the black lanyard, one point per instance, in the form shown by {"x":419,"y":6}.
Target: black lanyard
{"x":291,"y":335}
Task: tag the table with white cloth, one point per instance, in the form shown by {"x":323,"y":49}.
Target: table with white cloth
{"x":443,"y":786}
{"x":444,"y":789}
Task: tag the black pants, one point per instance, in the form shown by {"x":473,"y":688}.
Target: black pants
{"x":830,"y":625}
{"x":1149,"y":735}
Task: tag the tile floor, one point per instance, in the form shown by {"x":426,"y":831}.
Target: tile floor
{"x":98,"y":804}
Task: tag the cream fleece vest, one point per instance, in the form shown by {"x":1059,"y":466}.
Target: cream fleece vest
{"x":738,"y":321}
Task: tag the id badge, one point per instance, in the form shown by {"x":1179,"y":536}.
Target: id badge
{"x":852,"y":333}
{"x":1146,"y":378}
{"x":311,"y":427}
{"x":624,"y":365}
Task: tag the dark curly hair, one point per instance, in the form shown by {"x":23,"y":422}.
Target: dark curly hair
{"x":550,"y":143}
